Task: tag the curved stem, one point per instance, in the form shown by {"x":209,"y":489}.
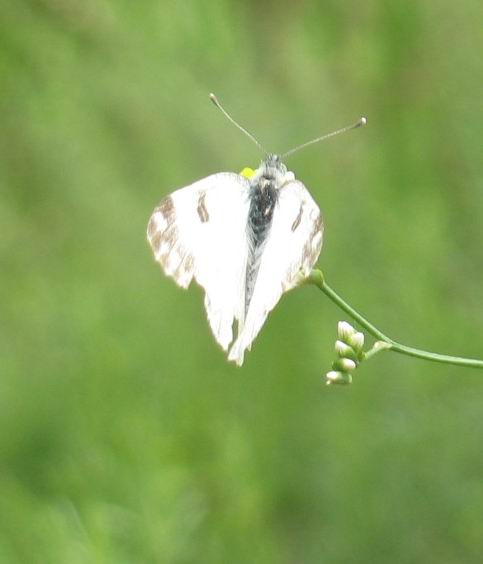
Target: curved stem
{"x":317,"y":279}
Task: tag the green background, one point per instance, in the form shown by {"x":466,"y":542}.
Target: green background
{"x":125,"y":436}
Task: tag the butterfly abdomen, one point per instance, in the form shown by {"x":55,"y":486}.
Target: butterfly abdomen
{"x":263,"y":197}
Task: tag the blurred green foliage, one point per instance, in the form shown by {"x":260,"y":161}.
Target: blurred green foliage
{"x":125,"y":437}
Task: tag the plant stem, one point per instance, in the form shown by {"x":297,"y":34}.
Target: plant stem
{"x":317,"y":279}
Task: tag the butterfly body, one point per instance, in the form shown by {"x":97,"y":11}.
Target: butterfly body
{"x":246,"y":241}
{"x":264,"y":187}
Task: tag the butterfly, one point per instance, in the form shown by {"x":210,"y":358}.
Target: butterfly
{"x":245,"y":238}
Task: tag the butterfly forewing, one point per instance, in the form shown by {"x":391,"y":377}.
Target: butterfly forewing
{"x":199,"y":231}
{"x":292,"y":248}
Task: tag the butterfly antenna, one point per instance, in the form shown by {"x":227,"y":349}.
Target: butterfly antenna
{"x":215,"y":101}
{"x":359,"y":123}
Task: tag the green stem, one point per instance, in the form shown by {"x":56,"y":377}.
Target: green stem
{"x":377,"y":347}
{"x":317,"y":279}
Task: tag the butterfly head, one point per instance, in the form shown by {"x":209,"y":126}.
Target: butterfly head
{"x":273,"y":171}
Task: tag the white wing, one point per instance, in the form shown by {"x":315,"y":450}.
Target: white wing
{"x":292,"y":248}
{"x":200,"y":231}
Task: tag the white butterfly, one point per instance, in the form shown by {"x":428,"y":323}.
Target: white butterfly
{"x":245,"y":238}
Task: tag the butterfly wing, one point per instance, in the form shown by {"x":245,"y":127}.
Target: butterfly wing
{"x":199,"y":231}
{"x":292,"y":248}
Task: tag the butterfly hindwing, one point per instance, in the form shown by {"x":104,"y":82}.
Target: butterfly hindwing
{"x":291,"y":249}
{"x":199,"y":231}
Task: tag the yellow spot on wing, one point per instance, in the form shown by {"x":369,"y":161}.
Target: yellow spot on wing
{"x":247,"y":172}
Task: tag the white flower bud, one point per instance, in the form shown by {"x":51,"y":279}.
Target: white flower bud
{"x":345,"y":331}
{"x":357,"y":341}
{"x":347,"y":365}
{"x":334,"y":377}
{"x":343,"y":350}
{"x":344,"y":364}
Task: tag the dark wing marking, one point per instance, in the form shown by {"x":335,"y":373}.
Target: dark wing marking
{"x":201,"y":209}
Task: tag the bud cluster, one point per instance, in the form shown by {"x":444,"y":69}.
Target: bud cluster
{"x":348,"y":348}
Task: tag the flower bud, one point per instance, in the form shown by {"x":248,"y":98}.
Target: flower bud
{"x":344,"y":350}
{"x":344,"y":365}
{"x":357,"y":341}
{"x":345,"y":331}
{"x":335,"y":377}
